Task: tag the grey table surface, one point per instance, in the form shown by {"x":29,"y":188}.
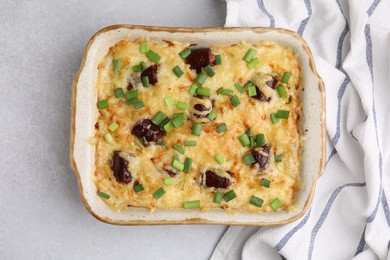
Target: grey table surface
{"x":41,"y":214}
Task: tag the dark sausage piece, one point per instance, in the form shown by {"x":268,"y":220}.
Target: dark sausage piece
{"x":215,"y":181}
{"x":272,"y":83}
{"x":200,"y":58}
{"x":151,"y":73}
{"x":147,"y":130}
{"x":120,"y":169}
{"x":260,"y":159}
{"x":260,"y":96}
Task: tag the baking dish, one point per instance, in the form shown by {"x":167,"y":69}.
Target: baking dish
{"x":84,"y":114}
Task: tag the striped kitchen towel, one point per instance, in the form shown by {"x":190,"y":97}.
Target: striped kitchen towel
{"x":350,"y":216}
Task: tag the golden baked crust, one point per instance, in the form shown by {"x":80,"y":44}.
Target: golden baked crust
{"x":148,"y":164}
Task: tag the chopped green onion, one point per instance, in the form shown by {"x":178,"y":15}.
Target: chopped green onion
{"x":218,"y":59}
{"x":283,"y":114}
{"x":145,"y":81}
{"x":179,"y":116}
{"x":235,"y":101}
{"x":137,"y":68}
{"x":168,"y":127}
{"x":255,"y":201}
{"x":113,"y":126}
{"x":176,"y":157}
{"x":248,"y":131}
{"x":203,"y":92}
{"x":252,"y":91}
{"x":143,"y":48}
{"x":274,"y":118}
{"x":103,"y":195}
{"x":187,"y":165}
{"x":131,"y":94}
{"x":177,"y":71}
{"x":221,"y":128}
{"x":248,"y":83}
{"x":192,"y":204}
{"x":219,"y":159}
{"x":132,"y":101}
{"x":281,"y":91}
{"x":139,"y":105}
{"x":185,"y":53}
{"x":278,"y":158}
{"x":116,"y":64}
{"x":153,"y":56}
{"x":138,"y":188}
{"x":192,"y":89}
{"x":168,"y":181}
{"x":160,"y":143}
{"x":212,"y":115}
{"x":265,"y":183}
{"x":248,"y":160}
{"x":179,"y":149}
{"x":286,"y":77}
{"x":102,"y":103}
{"x":239,"y":87}
{"x":158,"y":117}
{"x":225,"y":92}
{"x":276,"y":203}
{"x":158,"y":193}
{"x":201,"y":78}
{"x":177,"y":122}
{"x":197,"y":128}
{"x":252,"y":142}
{"x":228,"y":196}
{"x":253,"y":63}
{"x":218,"y":197}
{"x":169,"y":101}
{"x":209,"y":70}
{"x":260,"y":140}
{"x":118,"y":92}
{"x":165,"y":121}
{"x":108,"y":137}
{"x":178,"y":165}
{"x":244,"y":140}
{"x":181,"y":105}
{"x":250,"y":54}
{"x":190,"y":143}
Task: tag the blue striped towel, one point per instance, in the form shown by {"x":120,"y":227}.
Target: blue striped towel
{"x":350,"y":216}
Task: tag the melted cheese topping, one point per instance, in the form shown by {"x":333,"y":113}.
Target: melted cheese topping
{"x":147,"y":164}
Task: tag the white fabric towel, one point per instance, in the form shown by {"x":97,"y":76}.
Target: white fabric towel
{"x":350,"y":216}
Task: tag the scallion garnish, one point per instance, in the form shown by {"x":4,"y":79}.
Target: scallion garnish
{"x":160,"y":143}
{"x":260,"y":140}
{"x":168,"y":181}
{"x":248,"y":83}
{"x":143,"y":48}
{"x":178,"y":165}
{"x":201,"y":78}
{"x":137,"y":68}
{"x":185,"y":53}
{"x":244,"y":140}
{"x":265,"y":183}
{"x":248,"y":131}
{"x":276,"y":203}
{"x":108,"y":137}
{"x":209,"y":70}
{"x":145,"y":81}
{"x":169,"y":101}
{"x":187,"y":165}
{"x":102,"y":103}
{"x":248,"y":160}
{"x":219,"y":158}
{"x":253,"y":63}
{"x":116,"y":64}
{"x":218,"y":59}
{"x":158,"y":193}
{"x":252,"y":142}
{"x":278,"y":158}
{"x":139,"y":105}
{"x":228,"y":196}
{"x":286,"y":77}
{"x":283,"y":114}
{"x":252,"y":91}
{"x":192,"y":89}
{"x":225,"y":92}
{"x":118,"y":92}
{"x":179,"y":148}
{"x":255,"y":201}
{"x":239,"y":87}
{"x":191,"y":204}
{"x":165,"y":121}
{"x":190,"y":143}
{"x":212,"y":115}
{"x":143,"y":65}
{"x":274,"y":118}
{"x":176,"y":157}
{"x":131,"y":94}
{"x":177,"y":71}
{"x":153,"y":56}
{"x":103,"y":195}
{"x":235,"y":101}
{"x":181,"y":105}
{"x":158,"y":117}
{"x":178,"y":120}
{"x":221,"y":128}
{"x":203,"y":92}
{"x":281,"y":91}
{"x":197,"y":128}
{"x":113,"y":126}
{"x":168,"y":127}
{"x":218,"y":197}
{"x":132,"y":101}
{"x":138,"y":188}
{"x":250,"y":54}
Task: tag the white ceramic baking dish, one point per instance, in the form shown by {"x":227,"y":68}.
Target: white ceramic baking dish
{"x":84,"y":114}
